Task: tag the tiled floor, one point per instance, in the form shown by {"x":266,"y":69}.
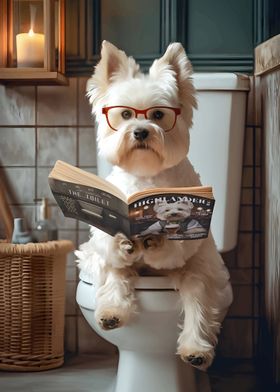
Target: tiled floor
{"x":96,"y":374}
{"x":79,"y":374}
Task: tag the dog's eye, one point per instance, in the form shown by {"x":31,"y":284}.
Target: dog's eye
{"x":126,"y":114}
{"x":158,"y":114}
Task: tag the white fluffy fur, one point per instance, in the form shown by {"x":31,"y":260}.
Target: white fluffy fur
{"x":196,"y":267}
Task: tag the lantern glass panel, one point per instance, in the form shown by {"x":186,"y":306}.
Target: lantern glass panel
{"x":28,"y":34}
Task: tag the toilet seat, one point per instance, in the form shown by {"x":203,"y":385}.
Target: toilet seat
{"x":141,"y":282}
{"x":153,"y":283}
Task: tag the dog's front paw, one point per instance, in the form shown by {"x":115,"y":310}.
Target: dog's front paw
{"x":111,"y":318}
{"x":126,"y":250}
{"x":109,"y":323}
{"x":125,"y":245}
{"x":153,"y":242}
{"x":200,"y":359}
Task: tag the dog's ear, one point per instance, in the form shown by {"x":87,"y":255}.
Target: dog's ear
{"x":188,"y":203}
{"x":159,"y":203}
{"x":114,"y":65}
{"x":175,"y":64}
{"x":185,"y":202}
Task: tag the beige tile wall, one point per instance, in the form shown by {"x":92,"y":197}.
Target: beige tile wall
{"x":41,"y":124}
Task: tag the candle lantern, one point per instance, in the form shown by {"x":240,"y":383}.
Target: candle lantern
{"x":32,"y":41}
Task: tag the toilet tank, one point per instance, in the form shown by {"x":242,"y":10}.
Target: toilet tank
{"x":216,"y":147}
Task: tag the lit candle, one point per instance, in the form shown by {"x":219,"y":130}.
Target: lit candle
{"x":30,"y":49}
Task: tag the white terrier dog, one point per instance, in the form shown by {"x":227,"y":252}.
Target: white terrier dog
{"x":143,"y":130}
{"x":173,"y":217}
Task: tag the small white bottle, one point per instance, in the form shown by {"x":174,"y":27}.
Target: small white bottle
{"x":20,"y":234}
{"x":46,"y":229}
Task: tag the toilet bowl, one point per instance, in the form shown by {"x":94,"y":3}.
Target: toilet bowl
{"x":147,"y":345}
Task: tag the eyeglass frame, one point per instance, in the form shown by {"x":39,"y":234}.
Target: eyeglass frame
{"x":105,"y":110}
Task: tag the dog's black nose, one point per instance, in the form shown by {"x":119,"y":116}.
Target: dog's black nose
{"x":141,"y":134}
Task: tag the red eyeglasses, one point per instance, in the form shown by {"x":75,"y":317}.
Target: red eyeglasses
{"x":164,"y":116}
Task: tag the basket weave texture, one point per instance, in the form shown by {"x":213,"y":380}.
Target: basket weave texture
{"x":32,"y":297}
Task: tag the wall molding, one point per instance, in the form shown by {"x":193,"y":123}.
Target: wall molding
{"x":229,"y":63}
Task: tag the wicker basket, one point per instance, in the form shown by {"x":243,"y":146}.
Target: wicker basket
{"x":32,"y":296}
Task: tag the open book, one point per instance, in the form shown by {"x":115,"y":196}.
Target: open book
{"x":178,"y":213}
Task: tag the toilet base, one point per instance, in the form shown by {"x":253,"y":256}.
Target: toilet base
{"x":157,"y":372}
{"x":147,"y":346}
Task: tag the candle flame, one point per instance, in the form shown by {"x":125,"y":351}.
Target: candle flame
{"x":31,"y":32}
{"x":33,"y":10}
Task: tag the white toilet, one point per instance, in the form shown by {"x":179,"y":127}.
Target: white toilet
{"x":147,"y":346}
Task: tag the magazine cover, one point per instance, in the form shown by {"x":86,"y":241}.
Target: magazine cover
{"x":91,"y":205}
{"x":178,"y":216}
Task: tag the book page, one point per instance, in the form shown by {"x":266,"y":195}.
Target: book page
{"x":91,"y":205}
{"x":178,"y":216}
{"x":65,"y":172}
{"x":204,"y":191}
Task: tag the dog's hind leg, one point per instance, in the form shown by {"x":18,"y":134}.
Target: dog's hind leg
{"x":206,"y":294}
{"x":198,"y":338}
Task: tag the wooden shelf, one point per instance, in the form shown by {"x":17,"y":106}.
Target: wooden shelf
{"x":31,"y":76}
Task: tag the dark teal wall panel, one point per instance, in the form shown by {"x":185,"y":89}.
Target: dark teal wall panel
{"x":219,"y":35}
{"x":219,"y":27}
{"x":132,"y":25}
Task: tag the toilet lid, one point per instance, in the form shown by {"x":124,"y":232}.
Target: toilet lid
{"x":141,"y":282}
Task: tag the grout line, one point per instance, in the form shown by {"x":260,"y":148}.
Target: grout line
{"x":78,"y":127}
{"x":250,"y":318}
{"x":19,"y":166}
{"x":36,"y":143}
{"x":38,"y":166}
{"x":253,"y":291}
{"x":36,"y":156}
{"x":77,"y":223}
{"x":46,"y":126}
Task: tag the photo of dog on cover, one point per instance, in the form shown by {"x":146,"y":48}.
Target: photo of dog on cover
{"x":143,"y":122}
{"x":173,"y":218}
